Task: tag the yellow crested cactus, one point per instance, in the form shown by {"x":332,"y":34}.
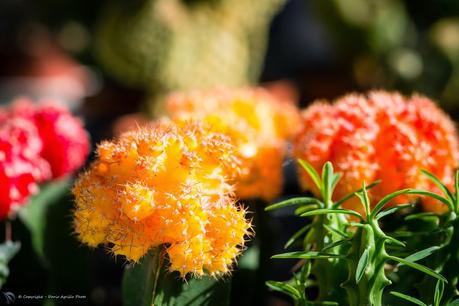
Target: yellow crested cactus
{"x":257,"y":123}
{"x":167,"y":184}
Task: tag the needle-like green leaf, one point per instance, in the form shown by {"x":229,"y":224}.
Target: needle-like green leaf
{"x":311,"y":172}
{"x":393,"y":195}
{"x":408,"y":298}
{"x":392,"y":210}
{"x":394,"y":241}
{"x":439,"y":184}
{"x":285,"y":288}
{"x":307,"y":255}
{"x":350,"y":195}
{"x":422,"y":254}
{"x":336,"y":231}
{"x":327,"y":181}
{"x":363,"y":196}
{"x":439,"y":290}
{"x":302,"y":209}
{"x":419,"y":267}
{"x":331,"y":211}
{"x":421,"y":215}
{"x":362,"y":265}
{"x":335,"y":244}
{"x":294,"y":201}
{"x":297,"y":235}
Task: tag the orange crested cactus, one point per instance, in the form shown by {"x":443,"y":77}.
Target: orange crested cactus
{"x":380,"y":136}
{"x":167,"y":184}
{"x":257,"y":123}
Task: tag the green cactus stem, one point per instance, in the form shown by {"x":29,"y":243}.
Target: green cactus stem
{"x":368,"y":256}
{"x":366,"y":260}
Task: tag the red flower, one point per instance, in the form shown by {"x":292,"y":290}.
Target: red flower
{"x":21,"y":166}
{"x":37,"y":143}
{"x":65,"y":141}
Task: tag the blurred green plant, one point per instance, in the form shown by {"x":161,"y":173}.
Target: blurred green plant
{"x":48,"y":223}
{"x":34,"y":214}
{"x":7,"y":251}
{"x":168,"y":45}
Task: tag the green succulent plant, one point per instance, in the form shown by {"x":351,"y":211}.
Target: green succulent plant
{"x":445,"y":259}
{"x":350,"y":254}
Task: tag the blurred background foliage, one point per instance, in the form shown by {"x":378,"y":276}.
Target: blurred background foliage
{"x":167,"y":45}
{"x":403,"y":45}
{"x":146,"y":49}
{"x":109,"y":60}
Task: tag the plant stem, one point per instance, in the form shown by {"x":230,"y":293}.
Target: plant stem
{"x":368,"y":290}
{"x":330,"y":273}
{"x":155,"y":271}
{"x":264,"y":224}
{"x":8,"y":231}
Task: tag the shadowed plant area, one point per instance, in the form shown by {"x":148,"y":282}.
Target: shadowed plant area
{"x":168,"y":288}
